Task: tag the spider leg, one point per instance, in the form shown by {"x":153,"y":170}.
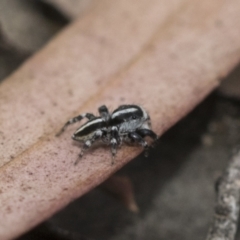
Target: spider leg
{"x":115,"y":134}
{"x":113,"y":149}
{"x":135,"y":137}
{"x":89,"y":116}
{"x":104,"y":113}
{"x":87,"y":144}
{"x":147,"y":132}
{"x":115,"y":142}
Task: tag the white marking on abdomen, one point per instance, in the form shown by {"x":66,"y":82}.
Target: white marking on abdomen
{"x":124,"y":111}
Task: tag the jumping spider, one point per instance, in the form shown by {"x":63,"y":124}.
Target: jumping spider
{"x":128,"y":123}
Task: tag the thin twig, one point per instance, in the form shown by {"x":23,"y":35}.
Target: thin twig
{"x":225,"y":219}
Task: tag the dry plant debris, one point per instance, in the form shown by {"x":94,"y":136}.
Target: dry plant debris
{"x":25,"y":28}
{"x":225,"y":220}
{"x":73,"y":8}
{"x":166,"y":56}
{"x":121,"y":188}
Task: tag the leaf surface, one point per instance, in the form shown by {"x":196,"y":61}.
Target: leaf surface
{"x":164,"y":55}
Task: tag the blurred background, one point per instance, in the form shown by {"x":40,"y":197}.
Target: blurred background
{"x":173,"y":187}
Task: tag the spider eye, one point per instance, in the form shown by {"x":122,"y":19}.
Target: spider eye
{"x":134,"y":117}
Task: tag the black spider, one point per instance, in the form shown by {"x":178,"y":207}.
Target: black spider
{"x":128,"y":123}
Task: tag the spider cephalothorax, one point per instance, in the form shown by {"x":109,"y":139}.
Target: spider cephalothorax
{"x":128,"y":123}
